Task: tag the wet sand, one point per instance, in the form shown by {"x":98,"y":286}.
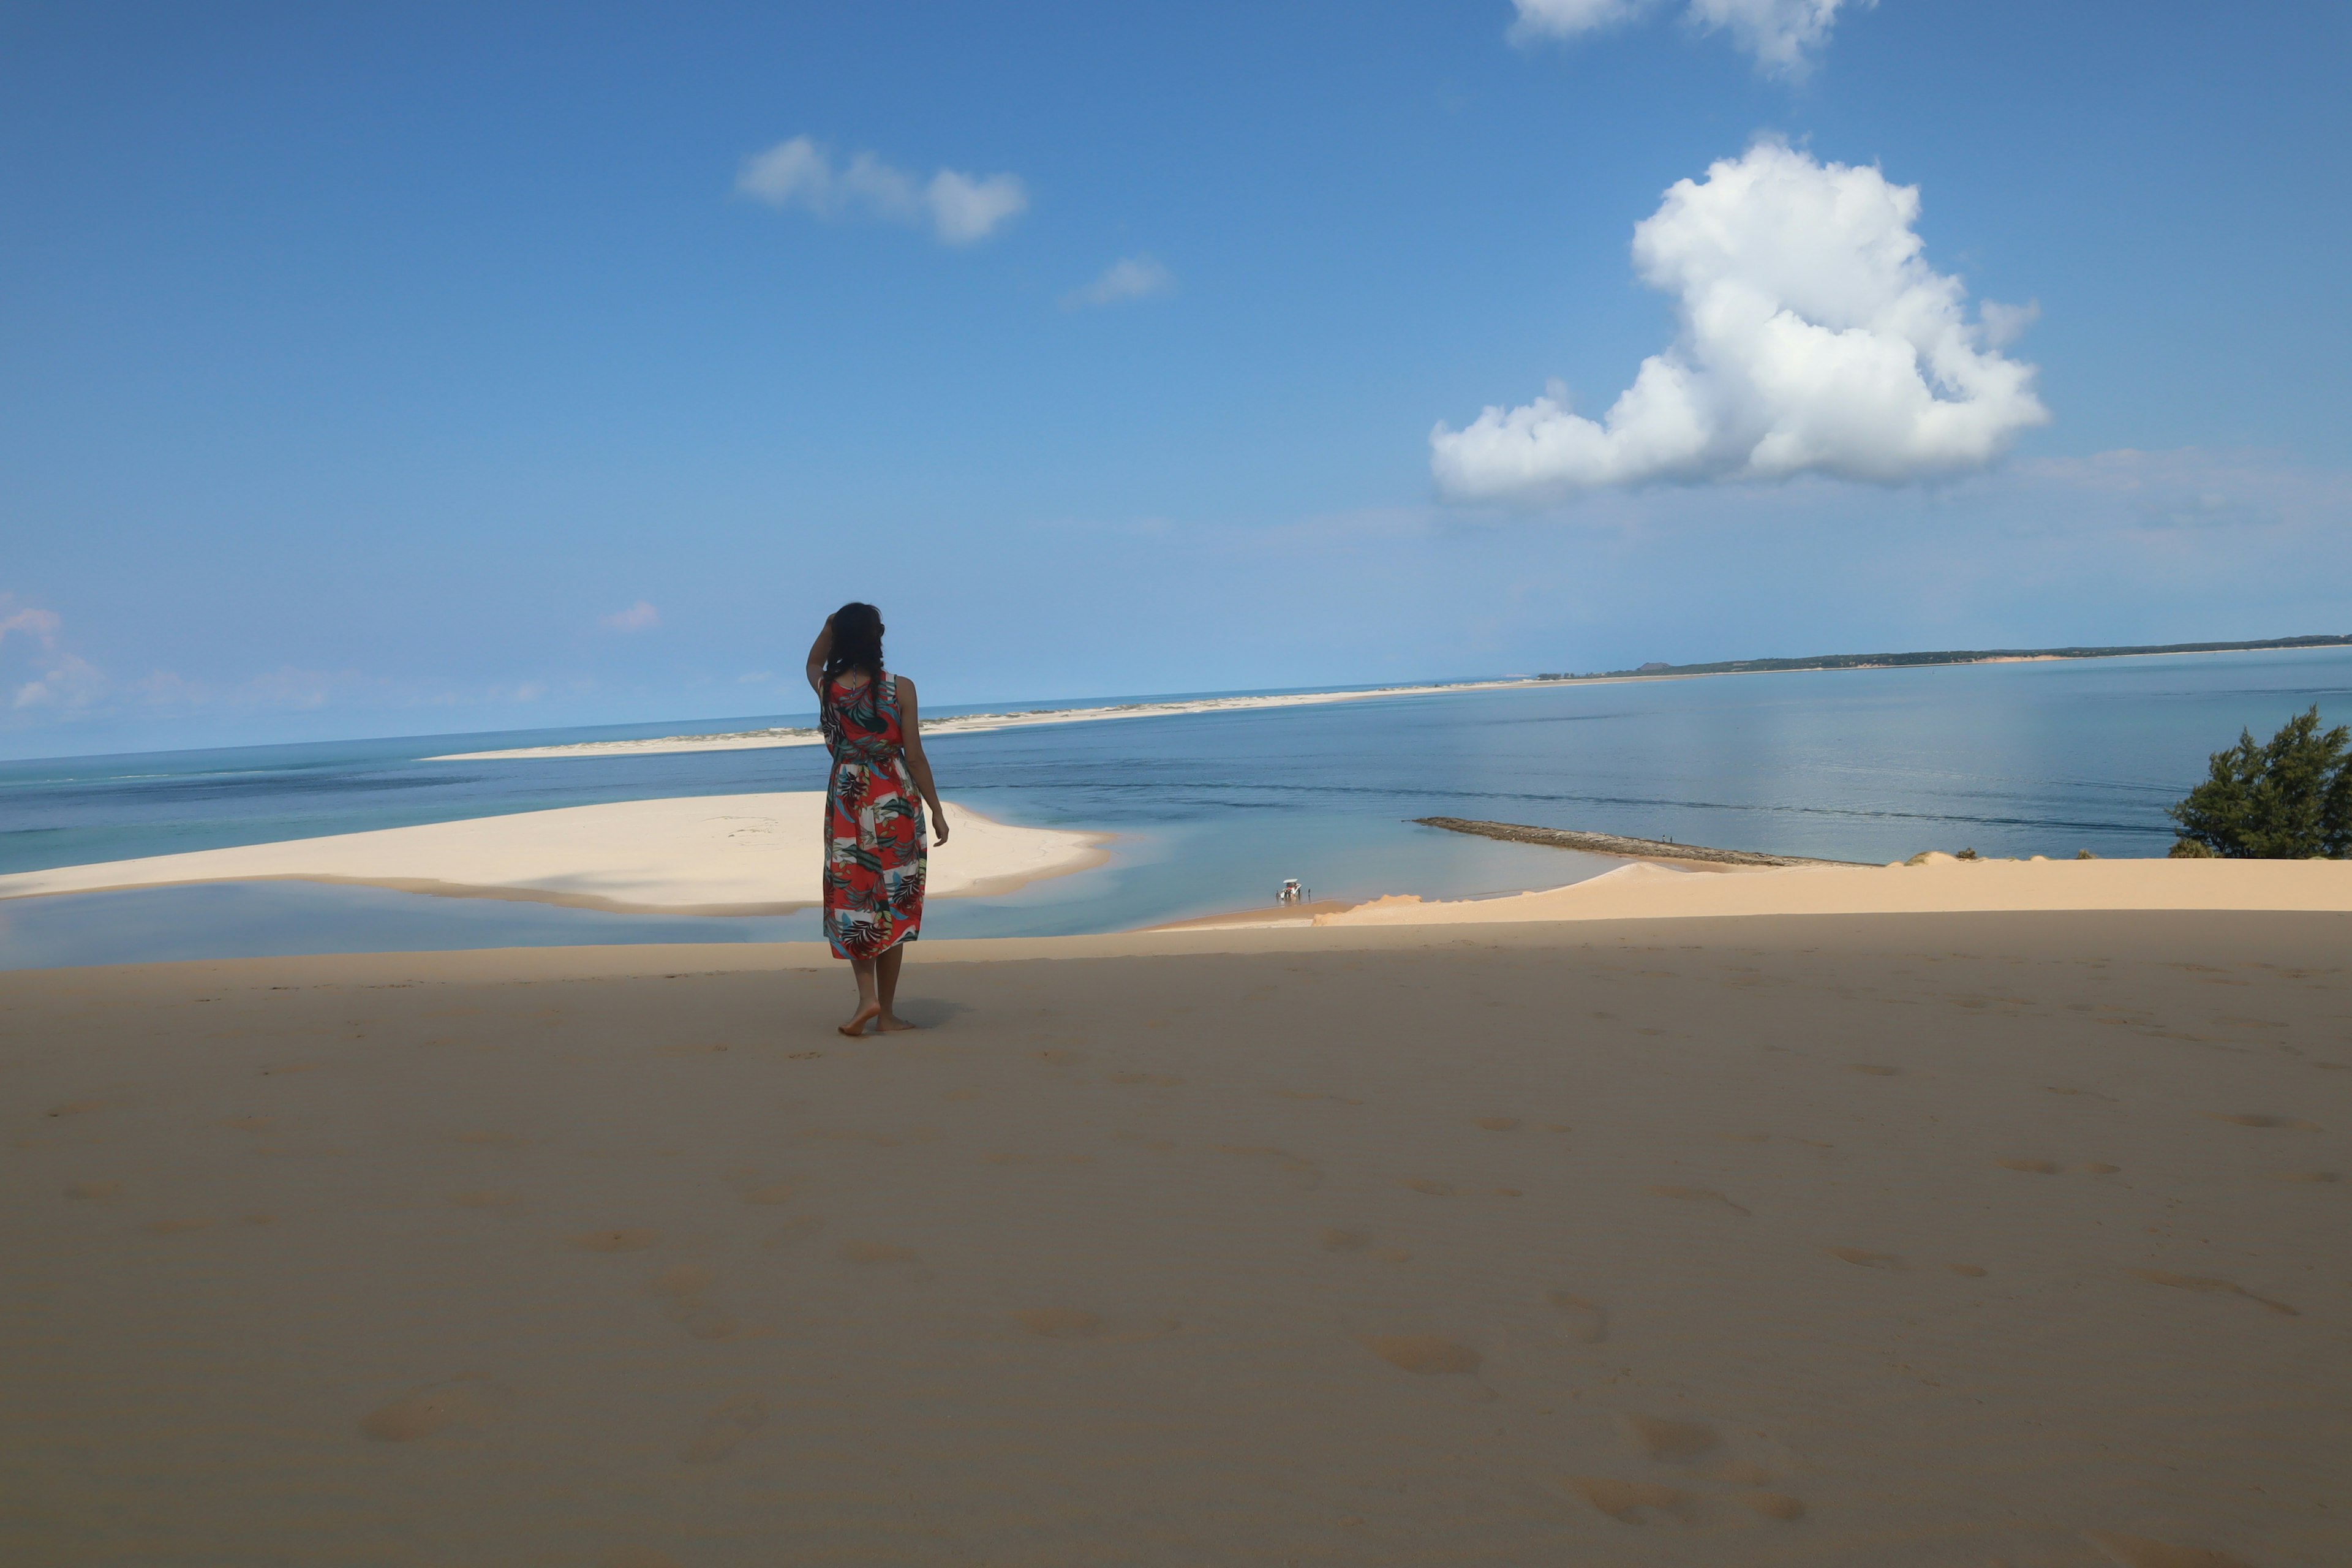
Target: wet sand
{"x":1856,"y":1240}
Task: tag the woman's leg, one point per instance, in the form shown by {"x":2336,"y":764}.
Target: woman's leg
{"x":886,"y":973}
{"x":869,"y":1007}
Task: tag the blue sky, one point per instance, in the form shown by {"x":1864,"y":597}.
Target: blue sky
{"x":364,"y":369}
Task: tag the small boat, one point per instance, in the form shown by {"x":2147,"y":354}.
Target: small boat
{"x":1292,"y":893}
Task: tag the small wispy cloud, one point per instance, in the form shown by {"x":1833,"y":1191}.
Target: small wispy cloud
{"x":639,"y":617}
{"x":41,"y":625}
{"x":961,"y":208}
{"x":1783,"y":36}
{"x":1128,"y":278}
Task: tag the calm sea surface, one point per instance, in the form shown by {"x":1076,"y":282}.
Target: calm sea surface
{"x":1214,"y":809}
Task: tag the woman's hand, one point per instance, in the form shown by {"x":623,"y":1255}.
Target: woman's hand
{"x":939,"y":824}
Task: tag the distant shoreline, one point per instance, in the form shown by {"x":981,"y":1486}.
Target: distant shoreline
{"x":974,"y":724}
{"x":783,"y":736}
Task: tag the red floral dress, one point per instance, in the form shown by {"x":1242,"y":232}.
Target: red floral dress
{"x":873,"y":851}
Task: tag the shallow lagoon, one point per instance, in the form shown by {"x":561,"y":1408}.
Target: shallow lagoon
{"x":1214,"y":809}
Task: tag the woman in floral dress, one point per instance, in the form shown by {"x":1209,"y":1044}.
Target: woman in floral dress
{"x":874,"y":852}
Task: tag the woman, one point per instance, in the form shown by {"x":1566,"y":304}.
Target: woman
{"x":873,"y":823}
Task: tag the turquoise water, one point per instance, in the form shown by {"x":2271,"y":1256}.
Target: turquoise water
{"x":1214,"y":809}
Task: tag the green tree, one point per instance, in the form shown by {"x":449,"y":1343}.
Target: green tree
{"x":2287,"y":799}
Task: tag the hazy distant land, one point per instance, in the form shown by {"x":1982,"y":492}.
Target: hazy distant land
{"x":1955,"y":656}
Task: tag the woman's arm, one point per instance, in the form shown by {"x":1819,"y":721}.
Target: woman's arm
{"x":910,"y":726}
{"x":819,"y":651}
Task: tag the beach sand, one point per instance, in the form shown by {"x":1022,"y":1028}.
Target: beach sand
{"x":1941,"y":884}
{"x":1857,"y":1240}
{"x":699,"y":855}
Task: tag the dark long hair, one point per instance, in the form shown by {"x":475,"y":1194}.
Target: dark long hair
{"x":856,"y":642}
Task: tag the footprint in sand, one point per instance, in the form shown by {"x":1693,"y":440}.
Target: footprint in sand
{"x":801,"y":1055}
{"x":686,"y":1280}
{"x":1671,"y":1442}
{"x":1862,"y":1258}
{"x":725,"y":1427}
{"x":1628,"y":1502}
{"x":759,"y":1190}
{"x":703,"y":1321}
{"x":614,"y":1240}
{"x":1425,"y":1355}
{"x":1499,"y":1124}
{"x":2037,"y":1167}
{"x":875,"y":1252}
{"x":2294,"y":1123}
{"x":93,"y":1189}
{"x":2210,"y":1287}
{"x":1454,"y":1189}
{"x":2140,"y":1552}
{"x":1304,"y":1172}
{"x":1699,"y":1195}
{"x":422,"y":1413}
{"x":1060,"y":1322}
{"x":1339,"y":1240}
{"x":1584,"y":1319}
{"x":1771,"y":1505}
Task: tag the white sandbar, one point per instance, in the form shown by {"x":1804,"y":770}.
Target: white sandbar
{"x":707,"y":854}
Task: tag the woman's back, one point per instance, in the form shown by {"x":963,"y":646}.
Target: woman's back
{"x":861,"y":717}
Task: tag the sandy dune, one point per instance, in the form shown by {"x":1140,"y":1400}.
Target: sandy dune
{"x":1647,"y":890}
{"x":1865,"y":1241}
{"x":707,"y":855}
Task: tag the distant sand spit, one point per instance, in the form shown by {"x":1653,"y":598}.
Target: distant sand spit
{"x":1646,"y":890}
{"x":1849,"y":1242}
{"x":702,"y":855}
{"x":973,"y":723}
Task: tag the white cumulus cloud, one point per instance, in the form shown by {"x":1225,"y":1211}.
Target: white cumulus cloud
{"x":1782,"y":35}
{"x":1128,"y":278}
{"x":1814,"y":338}
{"x":960,"y":207}
{"x":639,"y":617}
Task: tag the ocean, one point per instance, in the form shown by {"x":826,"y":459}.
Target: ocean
{"x":1213,"y":809}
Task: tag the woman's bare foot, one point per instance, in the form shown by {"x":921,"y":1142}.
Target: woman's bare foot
{"x":865,"y":1015}
{"x":891,"y":1023}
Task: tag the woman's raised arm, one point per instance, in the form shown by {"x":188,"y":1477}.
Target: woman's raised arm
{"x":819,"y":651}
